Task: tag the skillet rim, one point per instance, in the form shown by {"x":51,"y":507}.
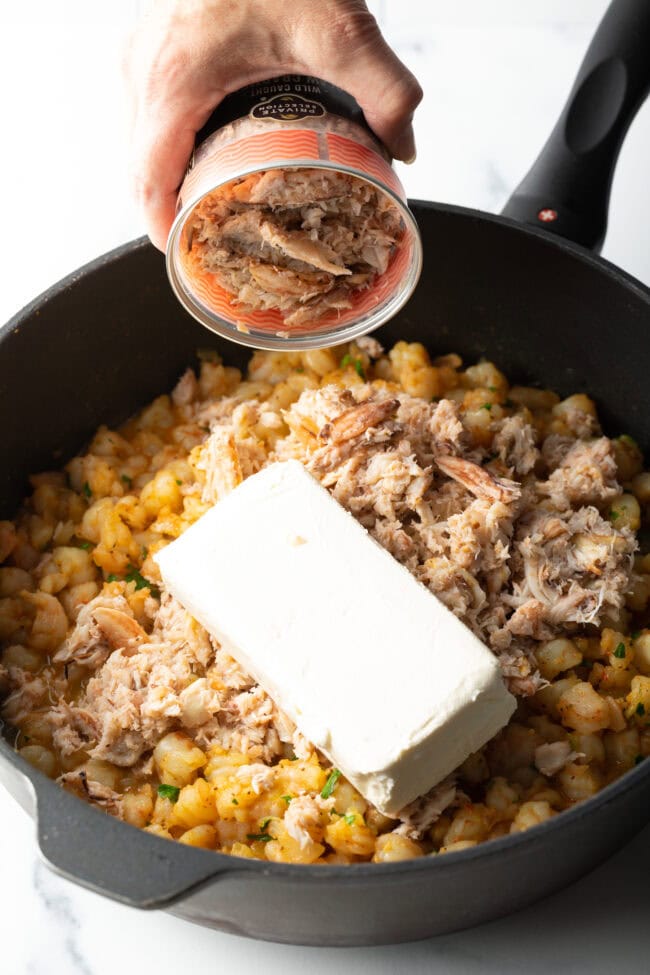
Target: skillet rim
{"x":594,"y":261}
{"x":225,"y":863}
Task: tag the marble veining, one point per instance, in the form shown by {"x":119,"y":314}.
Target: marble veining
{"x":61,"y":926}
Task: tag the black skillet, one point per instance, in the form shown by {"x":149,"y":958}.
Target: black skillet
{"x":101,"y":343}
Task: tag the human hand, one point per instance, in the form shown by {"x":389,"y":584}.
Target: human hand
{"x":187,"y":55}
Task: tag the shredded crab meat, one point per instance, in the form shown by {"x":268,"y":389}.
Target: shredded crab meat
{"x":300,"y":241}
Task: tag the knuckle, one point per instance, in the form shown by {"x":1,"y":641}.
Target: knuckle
{"x":401,"y":97}
{"x":354,"y":27}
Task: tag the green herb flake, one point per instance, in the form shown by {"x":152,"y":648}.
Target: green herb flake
{"x":300,"y":368}
{"x":179,"y":482}
{"x":626,"y":438}
{"x":492,"y":389}
{"x":487,"y":406}
{"x":86,"y":490}
{"x":111,"y":577}
{"x":134,"y":575}
{"x":168,"y":792}
{"x":636,"y":634}
{"x":330,"y":785}
{"x":287,"y":799}
{"x":614,"y":514}
{"x":619,"y":653}
{"x":264,"y":823}
{"x":260,"y":837}
{"x":127,"y":480}
{"x":234,"y":801}
{"x":351,"y":819}
{"x":86,"y":545}
{"x":144,"y":552}
{"x":638,"y":759}
{"x":640,"y":709}
{"x":348,"y":360}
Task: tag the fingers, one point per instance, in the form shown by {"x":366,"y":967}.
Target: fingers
{"x":162,"y":149}
{"x":192,"y":54}
{"x":353,"y":55}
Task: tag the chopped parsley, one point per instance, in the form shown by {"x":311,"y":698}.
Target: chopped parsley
{"x":640,"y":708}
{"x":348,"y":360}
{"x":235,"y":801}
{"x":168,"y":792}
{"x":86,"y":545}
{"x":86,"y":490}
{"x":619,"y":653}
{"x":264,"y":823}
{"x":127,"y":480}
{"x":330,"y":785}
{"x":487,"y":406}
{"x":260,"y":837}
{"x":134,"y":575}
{"x":492,"y":389}
{"x":300,"y":368}
{"x":144,"y":552}
{"x":614,"y":514}
{"x":626,"y":438}
{"x":178,"y":482}
{"x":287,"y":799}
{"x":635,"y":634}
{"x":350,"y":819}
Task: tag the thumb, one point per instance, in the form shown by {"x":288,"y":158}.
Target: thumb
{"x":352,"y":53}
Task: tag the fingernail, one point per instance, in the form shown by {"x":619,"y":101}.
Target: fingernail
{"x":405,"y":146}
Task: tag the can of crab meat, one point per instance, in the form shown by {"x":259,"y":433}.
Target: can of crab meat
{"x":292,"y":229}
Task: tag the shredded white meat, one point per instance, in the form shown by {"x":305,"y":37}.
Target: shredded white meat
{"x":299,"y":240}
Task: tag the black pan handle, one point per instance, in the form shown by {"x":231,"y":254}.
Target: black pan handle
{"x":567,"y":189}
{"x":99,"y":852}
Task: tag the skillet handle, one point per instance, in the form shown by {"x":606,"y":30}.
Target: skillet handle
{"x":105,"y":855}
{"x":566,"y":191}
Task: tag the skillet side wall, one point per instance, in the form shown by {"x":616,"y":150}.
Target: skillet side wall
{"x":362,"y":910}
{"x":110,"y":338}
{"x":104,"y":342}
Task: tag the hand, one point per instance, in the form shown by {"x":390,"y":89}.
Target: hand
{"x":187,"y":55}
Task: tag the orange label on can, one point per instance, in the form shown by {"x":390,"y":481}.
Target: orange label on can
{"x":277,"y":148}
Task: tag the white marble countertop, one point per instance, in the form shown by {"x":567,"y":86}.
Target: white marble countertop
{"x":495,"y":76}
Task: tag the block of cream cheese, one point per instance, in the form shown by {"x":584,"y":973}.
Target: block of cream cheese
{"x":374,"y":670}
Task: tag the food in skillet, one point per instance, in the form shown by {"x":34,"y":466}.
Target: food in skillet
{"x":301,"y":241}
{"x":117,"y":692}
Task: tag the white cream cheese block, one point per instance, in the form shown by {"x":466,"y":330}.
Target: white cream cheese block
{"x":374,"y":670}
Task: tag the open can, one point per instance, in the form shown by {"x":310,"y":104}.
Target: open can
{"x":291,"y":122}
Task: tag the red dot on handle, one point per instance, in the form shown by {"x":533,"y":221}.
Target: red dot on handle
{"x":546,"y":215}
